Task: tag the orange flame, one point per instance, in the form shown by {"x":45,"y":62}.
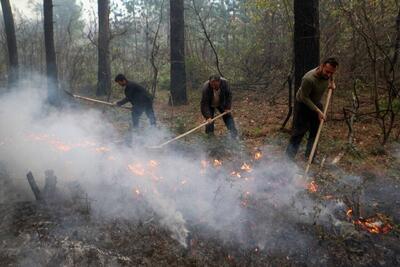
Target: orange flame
{"x":137,"y":191}
{"x":237,"y":174}
{"x":153,"y":163}
{"x":374,"y":225}
{"x":349,"y":213}
{"x":312,"y":187}
{"x":258,"y":155}
{"x":217,"y":163}
{"x":61,"y":147}
{"x":246,"y":167}
{"x":102,"y":149}
{"x":136,"y":168}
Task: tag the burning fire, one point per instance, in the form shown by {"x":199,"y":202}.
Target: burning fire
{"x":349,"y":213}
{"x":312,"y":187}
{"x":102,"y":149}
{"x":136,"y":192}
{"x":237,"y":174}
{"x":136,"y":168}
{"x":246,"y":167}
{"x":217,"y":163}
{"x":375,"y":225}
{"x":153,"y":163}
{"x":53,"y":141}
{"x":258,"y":155}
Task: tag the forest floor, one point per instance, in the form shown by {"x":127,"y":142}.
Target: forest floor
{"x":62,"y":234}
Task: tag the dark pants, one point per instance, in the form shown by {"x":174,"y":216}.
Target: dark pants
{"x":228,"y":120}
{"x":137,"y":111}
{"x":305,"y":120}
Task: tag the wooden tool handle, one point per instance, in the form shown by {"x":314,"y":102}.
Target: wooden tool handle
{"x":314,"y":147}
{"x":192,"y":130}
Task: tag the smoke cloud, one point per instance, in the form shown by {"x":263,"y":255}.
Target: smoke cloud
{"x":256,"y":206}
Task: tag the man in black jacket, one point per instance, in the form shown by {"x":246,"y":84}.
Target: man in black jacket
{"x":216,"y":94}
{"x":140,"y":99}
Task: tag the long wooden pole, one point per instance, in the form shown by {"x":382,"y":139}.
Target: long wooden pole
{"x":192,"y":130}
{"x":314,"y":147}
{"x":96,"y":101}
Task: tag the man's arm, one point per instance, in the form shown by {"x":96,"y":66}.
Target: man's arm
{"x":122,"y":102}
{"x":305,"y":91}
{"x":205,"y":102}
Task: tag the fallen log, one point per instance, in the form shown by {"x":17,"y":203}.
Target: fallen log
{"x":34,"y":187}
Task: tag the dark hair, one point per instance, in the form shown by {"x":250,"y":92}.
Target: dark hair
{"x":120,"y":77}
{"x":331,"y":60}
{"x":214,"y":77}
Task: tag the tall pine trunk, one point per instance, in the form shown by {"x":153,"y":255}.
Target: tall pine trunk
{"x":104,"y":68}
{"x":177,"y":43}
{"x":11,"y":42}
{"x":306,"y":38}
{"x":51,"y":62}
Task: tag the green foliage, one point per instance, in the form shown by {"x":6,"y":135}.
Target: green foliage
{"x":164,"y":79}
{"x":394,"y":105}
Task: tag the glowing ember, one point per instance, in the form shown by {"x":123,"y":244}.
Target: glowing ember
{"x":153,"y":163}
{"x":217,"y":163}
{"x":137,"y":192}
{"x":62,"y":147}
{"x":59,"y":145}
{"x":374,"y":225}
{"x":246,"y":167}
{"x":312,"y":187}
{"x":349,"y":213}
{"x":244,"y":203}
{"x":257,"y":155}
{"x":136,"y":168}
{"x":237,"y":174}
{"x":102,"y":149}
{"x":377,"y":224}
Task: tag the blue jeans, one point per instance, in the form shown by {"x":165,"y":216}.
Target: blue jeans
{"x":228,"y":120}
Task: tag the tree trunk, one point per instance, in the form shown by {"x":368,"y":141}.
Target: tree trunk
{"x":177,"y":41}
{"x":104,"y":68}
{"x":51,"y":63}
{"x":306,"y":38}
{"x":11,"y":42}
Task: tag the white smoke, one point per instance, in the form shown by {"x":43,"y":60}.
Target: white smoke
{"x":79,"y":145}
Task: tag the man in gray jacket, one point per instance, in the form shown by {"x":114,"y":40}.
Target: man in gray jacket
{"x":216,"y":94}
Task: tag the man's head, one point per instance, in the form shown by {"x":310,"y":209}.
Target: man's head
{"x":215,"y":81}
{"x":121,"y":79}
{"x":328,"y":68}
